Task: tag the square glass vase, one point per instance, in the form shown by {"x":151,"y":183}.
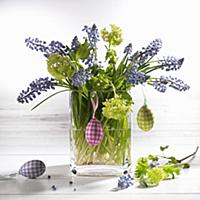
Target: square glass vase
{"x":113,"y":156}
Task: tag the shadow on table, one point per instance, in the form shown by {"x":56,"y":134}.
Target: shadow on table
{"x":62,"y":172}
{"x":58,"y":176}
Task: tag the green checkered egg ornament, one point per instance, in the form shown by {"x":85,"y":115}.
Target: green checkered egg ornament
{"x":145,"y":118}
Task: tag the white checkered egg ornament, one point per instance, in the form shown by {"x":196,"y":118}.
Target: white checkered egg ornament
{"x":32,"y":169}
{"x":94,"y":129}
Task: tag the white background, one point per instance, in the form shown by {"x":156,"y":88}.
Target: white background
{"x":43,"y":133}
{"x":176,"y":22}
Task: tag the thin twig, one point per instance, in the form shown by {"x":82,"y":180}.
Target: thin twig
{"x":193,"y":154}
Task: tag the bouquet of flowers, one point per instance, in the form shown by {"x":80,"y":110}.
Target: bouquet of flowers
{"x":100,"y":91}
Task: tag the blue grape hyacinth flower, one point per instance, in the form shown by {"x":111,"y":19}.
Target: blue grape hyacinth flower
{"x":149,"y":52}
{"x":35,"y":88}
{"x":135,"y":77}
{"x":128,"y":49}
{"x":93,"y":35}
{"x":75,"y":43}
{"x":47,"y":50}
{"x":79,"y":78}
{"x":161,"y":84}
{"x":125,"y":181}
{"x":171,"y":63}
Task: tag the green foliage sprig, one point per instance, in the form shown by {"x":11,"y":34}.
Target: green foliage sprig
{"x":153,"y":169}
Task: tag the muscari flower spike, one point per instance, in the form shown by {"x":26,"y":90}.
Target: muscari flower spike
{"x":161,"y":84}
{"x":125,"y":181}
{"x":47,"y":50}
{"x":128,"y":49}
{"x":150,"y":51}
{"x":75,"y":43}
{"x":79,"y":78}
{"x":177,"y":84}
{"x":90,"y":62}
{"x":171,"y":63}
{"x":135,"y":77}
{"x":93,"y":35}
{"x":35,"y":88}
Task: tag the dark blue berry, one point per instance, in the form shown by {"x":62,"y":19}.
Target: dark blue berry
{"x":53,"y":187}
{"x":74,"y":171}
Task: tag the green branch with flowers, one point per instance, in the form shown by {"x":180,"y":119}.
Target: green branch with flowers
{"x":151,"y":170}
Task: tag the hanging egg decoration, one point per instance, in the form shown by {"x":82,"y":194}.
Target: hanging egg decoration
{"x":32,"y":169}
{"x":94,"y":129}
{"x":94,"y":132}
{"x":145,"y":119}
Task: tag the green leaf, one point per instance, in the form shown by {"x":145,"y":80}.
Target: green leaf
{"x":185,"y":165}
{"x":153,"y":158}
{"x":148,"y":175}
{"x":85,"y":91}
{"x":141,"y":168}
{"x":162,"y":148}
{"x":110,"y":70}
{"x":48,"y":98}
{"x":111,"y":56}
{"x":172,"y":159}
{"x":83,"y":51}
{"x":99,"y":82}
{"x":61,"y":67}
{"x":143,"y":183}
{"x":171,"y":170}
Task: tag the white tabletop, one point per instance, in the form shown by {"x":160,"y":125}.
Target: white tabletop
{"x":26,"y":135}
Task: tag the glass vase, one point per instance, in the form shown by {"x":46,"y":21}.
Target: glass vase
{"x":113,"y":155}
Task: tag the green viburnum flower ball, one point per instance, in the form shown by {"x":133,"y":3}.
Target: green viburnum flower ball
{"x":155,"y":176}
{"x":116,"y":108}
{"x":113,"y":37}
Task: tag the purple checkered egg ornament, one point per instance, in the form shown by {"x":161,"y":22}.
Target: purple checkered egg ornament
{"x":94,"y":129}
{"x":94,"y":132}
{"x":32,"y":169}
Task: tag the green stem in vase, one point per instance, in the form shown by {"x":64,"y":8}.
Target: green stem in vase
{"x":115,"y":143}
